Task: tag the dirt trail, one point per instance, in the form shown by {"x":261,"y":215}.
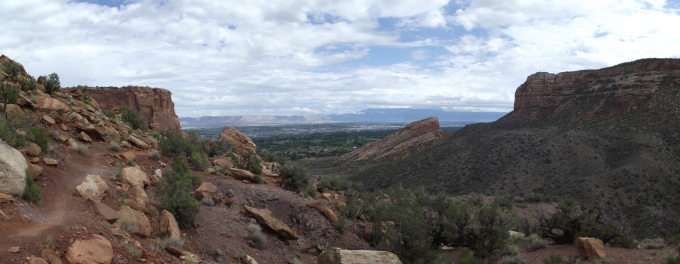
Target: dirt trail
{"x":58,"y":199}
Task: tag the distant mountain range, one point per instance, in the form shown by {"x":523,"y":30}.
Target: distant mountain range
{"x":400,"y":115}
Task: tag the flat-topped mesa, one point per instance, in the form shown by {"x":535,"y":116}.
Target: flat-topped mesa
{"x":155,"y":104}
{"x":413,"y":138}
{"x":544,"y":89}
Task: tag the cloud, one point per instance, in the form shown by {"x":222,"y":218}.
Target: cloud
{"x":314,"y":57}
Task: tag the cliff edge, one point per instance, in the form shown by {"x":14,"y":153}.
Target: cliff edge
{"x":155,"y":104}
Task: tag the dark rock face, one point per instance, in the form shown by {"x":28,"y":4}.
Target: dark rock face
{"x":604,"y":137}
{"x":155,"y":104}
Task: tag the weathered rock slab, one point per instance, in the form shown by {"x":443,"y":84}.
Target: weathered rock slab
{"x":97,"y":250}
{"x":265,"y":218}
{"x":13,"y":167}
{"x":590,"y":248}
{"x":341,"y":256}
{"x":93,"y":187}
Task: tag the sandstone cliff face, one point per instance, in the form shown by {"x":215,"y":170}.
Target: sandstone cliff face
{"x":411,"y":139}
{"x":155,"y":104}
{"x":608,"y":93}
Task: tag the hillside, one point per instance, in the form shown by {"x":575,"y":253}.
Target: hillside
{"x":607,"y":137}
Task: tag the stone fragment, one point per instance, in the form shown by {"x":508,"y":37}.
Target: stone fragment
{"x":63,"y":127}
{"x":206,"y":190}
{"x":265,"y":218}
{"x":342,"y":256}
{"x":51,"y":256}
{"x":96,"y":250}
{"x":240,"y":174}
{"x":138,"y":142}
{"x":223,"y":163}
{"x":129,"y":156}
{"x":133,"y":221}
{"x":84,"y":137}
{"x":93,"y":187}
{"x":36,"y":170}
{"x":50,"y":161}
{"x":13,"y":250}
{"x":107,"y":213}
{"x":590,"y":248}
{"x":48,"y":120}
{"x":37,"y":260}
{"x":330,"y":215}
{"x":33,"y":150}
{"x":168,"y":225}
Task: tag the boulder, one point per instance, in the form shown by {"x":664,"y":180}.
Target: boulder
{"x":223,"y":163}
{"x":92,"y":131}
{"x":590,"y":248}
{"x":330,"y":215}
{"x":133,"y":221}
{"x":107,"y":213}
{"x":50,"y":256}
{"x":5,"y":198}
{"x":63,"y":138}
{"x":129,"y":156}
{"x":238,"y":140}
{"x":72,"y":143}
{"x":149,"y":210}
{"x":63,"y":127}
{"x":37,"y":260}
{"x":138,"y":142}
{"x":48,"y":104}
{"x":240,"y":174}
{"x":265,"y":218}
{"x":13,"y":110}
{"x":248,"y":260}
{"x":13,"y":167}
{"x":515,"y":234}
{"x":84,"y":137}
{"x":135,"y":176}
{"x":50,"y":161}
{"x":48,"y":120}
{"x":341,"y":256}
{"x":168,"y":225}
{"x":33,"y":150}
{"x":93,"y":187}
{"x":96,"y":250}
{"x":206,"y":190}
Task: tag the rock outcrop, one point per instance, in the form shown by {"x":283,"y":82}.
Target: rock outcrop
{"x":13,"y":167}
{"x":133,"y":221}
{"x":581,"y":95}
{"x":590,"y":248}
{"x":413,"y":138}
{"x":341,"y":256}
{"x":265,"y":218}
{"x":97,"y":250}
{"x":240,"y":142}
{"x":155,"y":104}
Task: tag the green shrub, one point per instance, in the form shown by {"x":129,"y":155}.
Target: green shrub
{"x":654,"y":246}
{"x":175,"y":192}
{"x":294,"y":176}
{"x":109,"y":114}
{"x":38,"y":136}
{"x":249,"y":161}
{"x":31,"y":191}
{"x":341,"y":225}
{"x":503,"y":201}
{"x":575,"y":221}
{"x":9,"y":126}
{"x":171,"y":241}
{"x":87,"y":102}
{"x":465,"y":258}
{"x":28,"y":83}
{"x":82,"y":149}
{"x":218,"y":147}
{"x":208,"y":201}
{"x":624,"y":242}
{"x":553,"y":259}
{"x":324,"y":184}
{"x":199,"y":160}
{"x":257,"y":236}
{"x":675,"y":240}
{"x":13,"y":70}
{"x":537,"y":244}
{"x":258,"y":179}
{"x":133,"y":118}
{"x":114,"y":147}
{"x":9,"y":95}
{"x":52,"y":83}
{"x":517,"y":259}
{"x":510,"y":250}
{"x":174,"y":145}
{"x":673,"y":260}
{"x":155,"y":155}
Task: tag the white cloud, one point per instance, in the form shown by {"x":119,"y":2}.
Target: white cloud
{"x":298,"y":56}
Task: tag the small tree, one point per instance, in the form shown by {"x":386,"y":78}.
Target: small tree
{"x":28,"y":83}
{"x":52,"y":83}
{"x":175,"y":190}
{"x":12,"y":69}
{"x":31,"y":191}
{"x":133,"y":118}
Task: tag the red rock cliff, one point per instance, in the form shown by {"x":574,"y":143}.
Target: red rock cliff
{"x":415,"y":137}
{"x":544,"y":89}
{"x":155,"y":104}
{"x":581,"y":95}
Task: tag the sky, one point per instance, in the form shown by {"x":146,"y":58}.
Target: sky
{"x":311,"y":57}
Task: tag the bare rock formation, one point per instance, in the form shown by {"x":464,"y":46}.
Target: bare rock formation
{"x":13,"y":167}
{"x":342,"y":256}
{"x":168,"y":225}
{"x":155,"y":104}
{"x":590,"y":248}
{"x":582,"y":95}
{"x":133,"y":221}
{"x":240,"y":142}
{"x":415,"y":137}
